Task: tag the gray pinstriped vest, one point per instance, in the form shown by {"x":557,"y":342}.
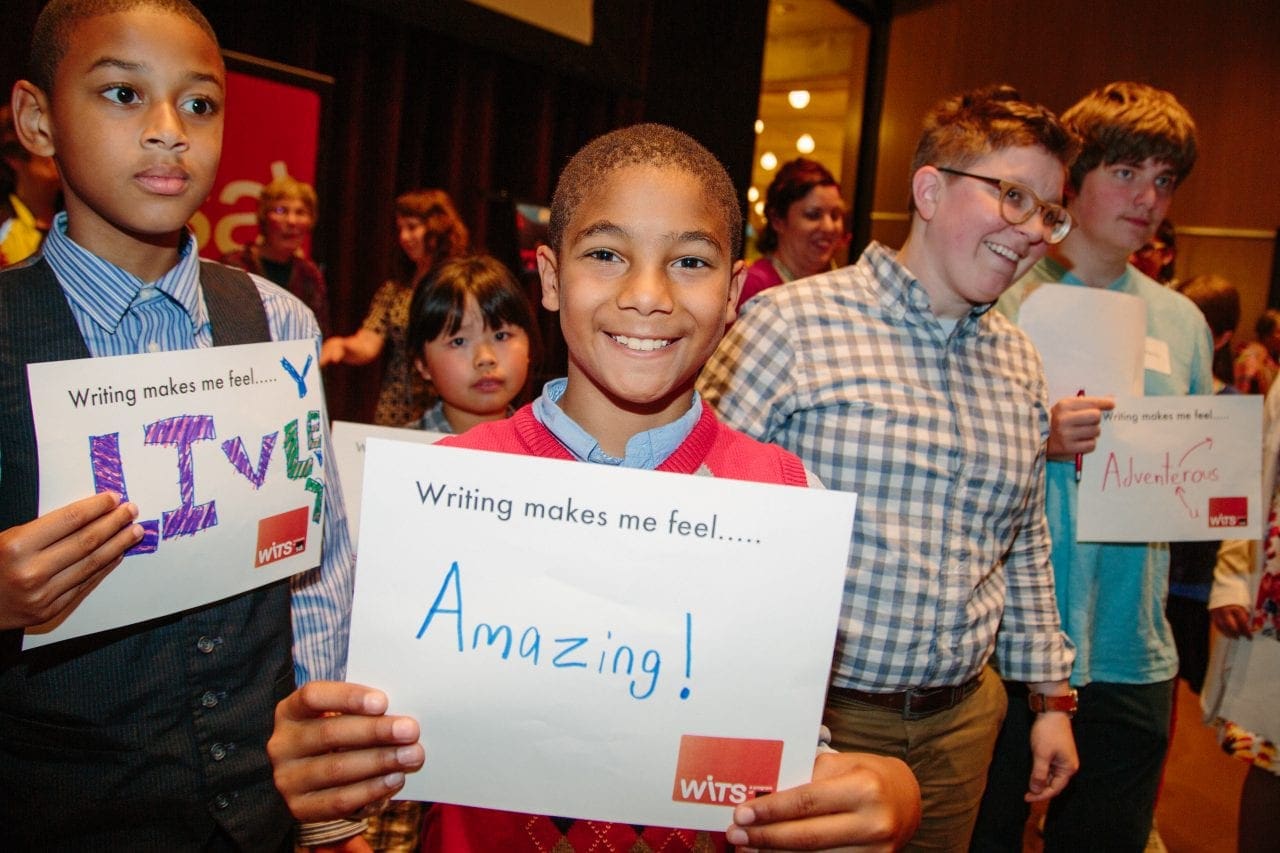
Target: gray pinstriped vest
{"x":150,"y":737}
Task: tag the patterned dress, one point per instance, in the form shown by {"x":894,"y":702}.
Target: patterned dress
{"x":404,"y":395}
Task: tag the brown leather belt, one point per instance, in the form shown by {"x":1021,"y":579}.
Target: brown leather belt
{"x":913,"y":704}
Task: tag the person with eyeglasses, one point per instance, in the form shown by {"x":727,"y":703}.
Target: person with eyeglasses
{"x":892,"y":378}
{"x":1137,"y":145}
{"x":286,"y":215}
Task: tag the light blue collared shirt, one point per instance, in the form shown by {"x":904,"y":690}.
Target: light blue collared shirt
{"x":119,"y":314}
{"x":645,"y":450}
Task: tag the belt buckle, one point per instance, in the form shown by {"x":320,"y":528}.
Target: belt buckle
{"x":909,"y":712}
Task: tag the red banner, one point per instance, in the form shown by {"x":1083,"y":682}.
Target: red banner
{"x":272,"y":129}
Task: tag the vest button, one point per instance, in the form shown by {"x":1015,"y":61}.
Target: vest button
{"x":209,"y":699}
{"x":218,"y":751}
{"x":205,"y":644}
{"x":221,"y":802}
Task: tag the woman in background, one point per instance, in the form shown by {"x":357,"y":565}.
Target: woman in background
{"x":430,"y":231}
{"x":286,"y":215}
{"x":804,"y":226}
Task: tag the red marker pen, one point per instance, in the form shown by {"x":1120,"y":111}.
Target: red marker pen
{"x":1079,"y":456}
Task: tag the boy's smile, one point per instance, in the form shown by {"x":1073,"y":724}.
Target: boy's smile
{"x":135,"y":123}
{"x":645,"y":287}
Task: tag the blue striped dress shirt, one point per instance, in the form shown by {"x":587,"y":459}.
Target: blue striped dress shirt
{"x":119,"y":314}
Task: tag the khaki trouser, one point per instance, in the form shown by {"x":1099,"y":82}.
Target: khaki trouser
{"x":948,"y":751}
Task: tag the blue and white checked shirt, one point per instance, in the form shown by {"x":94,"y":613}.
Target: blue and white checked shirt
{"x":119,"y":314}
{"x":941,"y":433}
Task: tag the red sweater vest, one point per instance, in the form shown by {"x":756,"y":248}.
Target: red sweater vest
{"x":723,"y":452}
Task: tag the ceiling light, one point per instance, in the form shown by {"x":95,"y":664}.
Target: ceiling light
{"x":798,"y":98}
{"x":753,"y":194}
{"x":805,"y":144}
{"x":768,"y":161}
{"x":759,"y":125}
{"x":759,"y":208}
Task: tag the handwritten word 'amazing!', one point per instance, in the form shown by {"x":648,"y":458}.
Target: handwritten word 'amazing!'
{"x":180,"y":433}
{"x":570,"y":652}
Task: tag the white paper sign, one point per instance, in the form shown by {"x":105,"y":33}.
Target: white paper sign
{"x":1090,"y":340}
{"x":220,"y":449}
{"x":348,"y":456}
{"x":593,"y":642}
{"x":1171,"y":469}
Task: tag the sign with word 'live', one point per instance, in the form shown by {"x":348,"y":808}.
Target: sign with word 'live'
{"x":221,"y":450}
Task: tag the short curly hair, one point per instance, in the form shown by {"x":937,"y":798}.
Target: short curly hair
{"x":57,"y":20}
{"x":964,"y":128}
{"x":1128,"y":122}
{"x":281,"y":189}
{"x":642,"y":145}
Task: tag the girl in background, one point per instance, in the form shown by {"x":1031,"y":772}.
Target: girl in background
{"x":472,"y":332}
{"x":473,"y":335}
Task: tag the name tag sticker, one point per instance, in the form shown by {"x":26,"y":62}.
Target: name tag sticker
{"x":1157,"y":356}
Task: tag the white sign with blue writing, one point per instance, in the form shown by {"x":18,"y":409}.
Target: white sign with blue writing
{"x":592,"y":642}
{"x":222,"y":451}
{"x":349,"y":440}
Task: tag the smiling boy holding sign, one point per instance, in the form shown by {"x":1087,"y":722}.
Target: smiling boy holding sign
{"x":644,"y":230}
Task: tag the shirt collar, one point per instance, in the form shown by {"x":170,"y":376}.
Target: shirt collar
{"x":104,"y":292}
{"x":646,"y":450}
{"x":1059,"y":273}
{"x":903,"y":298}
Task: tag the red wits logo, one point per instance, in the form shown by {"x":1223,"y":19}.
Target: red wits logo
{"x":1228,"y":512}
{"x":725,"y":770}
{"x":281,"y":536}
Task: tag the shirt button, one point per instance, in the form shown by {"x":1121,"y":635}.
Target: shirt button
{"x":153,"y":347}
{"x":218,"y":751}
{"x":209,"y":699}
{"x":205,"y":644}
{"x":221,"y":801}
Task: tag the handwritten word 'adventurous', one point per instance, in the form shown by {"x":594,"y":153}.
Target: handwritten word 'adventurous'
{"x":180,"y":433}
{"x":1165,"y":473}
{"x":572,"y":652}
